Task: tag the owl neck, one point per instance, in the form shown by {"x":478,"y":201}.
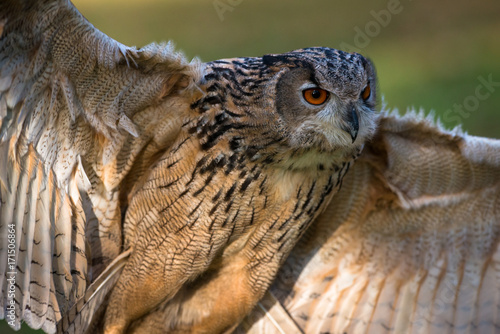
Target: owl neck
{"x":225,"y":191}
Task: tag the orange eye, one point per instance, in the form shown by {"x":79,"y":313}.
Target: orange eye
{"x":365,"y":94}
{"x":315,"y":96}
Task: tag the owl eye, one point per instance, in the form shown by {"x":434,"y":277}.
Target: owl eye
{"x":315,"y":96}
{"x":365,"y":94}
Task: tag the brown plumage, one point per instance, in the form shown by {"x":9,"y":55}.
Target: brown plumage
{"x":251,"y":167}
{"x":410,"y":244}
{"x":150,"y":194}
{"x":194,"y":171}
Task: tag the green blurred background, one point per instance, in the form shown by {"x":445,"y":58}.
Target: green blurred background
{"x":429,"y":54}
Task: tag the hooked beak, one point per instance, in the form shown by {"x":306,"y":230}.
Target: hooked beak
{"x":352,"y":123}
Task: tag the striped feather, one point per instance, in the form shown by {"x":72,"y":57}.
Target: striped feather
{"x":76,"y":110}
{"x":80,"y":316}
{"x":29,"y":222}
{"x":411,"y":243}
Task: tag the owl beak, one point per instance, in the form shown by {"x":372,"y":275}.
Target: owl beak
{"x":352,"y":123}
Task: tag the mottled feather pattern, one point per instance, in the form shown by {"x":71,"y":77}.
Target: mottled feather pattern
{"x":409,"y":245}
{"x":82,"y":315}
{"x":50,"y":243}
{"x":139,"y":184}
{"x":236,"y":189}
{"x":67,"y":140}
{"x":106,"y":126}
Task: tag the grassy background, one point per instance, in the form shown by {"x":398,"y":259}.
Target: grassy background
{"x":429,"y":55}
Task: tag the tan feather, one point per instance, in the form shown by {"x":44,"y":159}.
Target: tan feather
{"x":409,"y":245}
{"x":80,"y":316}
{"x":65,"y":89}
{"x":411,"y":242}
{"x":279,"y":317}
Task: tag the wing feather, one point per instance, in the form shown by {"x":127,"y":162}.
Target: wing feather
{"x":411,"y":243}
{"x":28,"y":229}
{"x":76,"y":110}
{"x":81,"y":314}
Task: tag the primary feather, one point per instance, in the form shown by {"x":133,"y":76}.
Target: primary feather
{"x":410,"y":244}
{"x":72,"y":107}
{"x":135,"y":185}
{"x":218,"y":168}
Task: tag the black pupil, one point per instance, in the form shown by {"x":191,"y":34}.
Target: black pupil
{"x":316,"y":94}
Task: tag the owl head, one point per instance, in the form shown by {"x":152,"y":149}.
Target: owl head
{"x":297,"y":108}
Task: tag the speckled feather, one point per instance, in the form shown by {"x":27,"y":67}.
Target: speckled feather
{"x":140,"y":185}
{"x":239,"y":186}
{"x":76,"y":108}
{"x":218,"y":168}
{"x":411,"y":243}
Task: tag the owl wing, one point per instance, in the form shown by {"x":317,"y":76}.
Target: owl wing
{"x":76,"y":110}
{"x":409,"y":245}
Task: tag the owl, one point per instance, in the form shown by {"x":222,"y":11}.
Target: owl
{"x":410,"y":244}
{"x":182,"y":172}
{"x":141,"y":192}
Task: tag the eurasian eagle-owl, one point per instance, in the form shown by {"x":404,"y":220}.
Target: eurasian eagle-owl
{"x":146,"y":193}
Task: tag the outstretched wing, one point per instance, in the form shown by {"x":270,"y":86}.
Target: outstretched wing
{"x":411,"y":243}
{"x":78,"y":112}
